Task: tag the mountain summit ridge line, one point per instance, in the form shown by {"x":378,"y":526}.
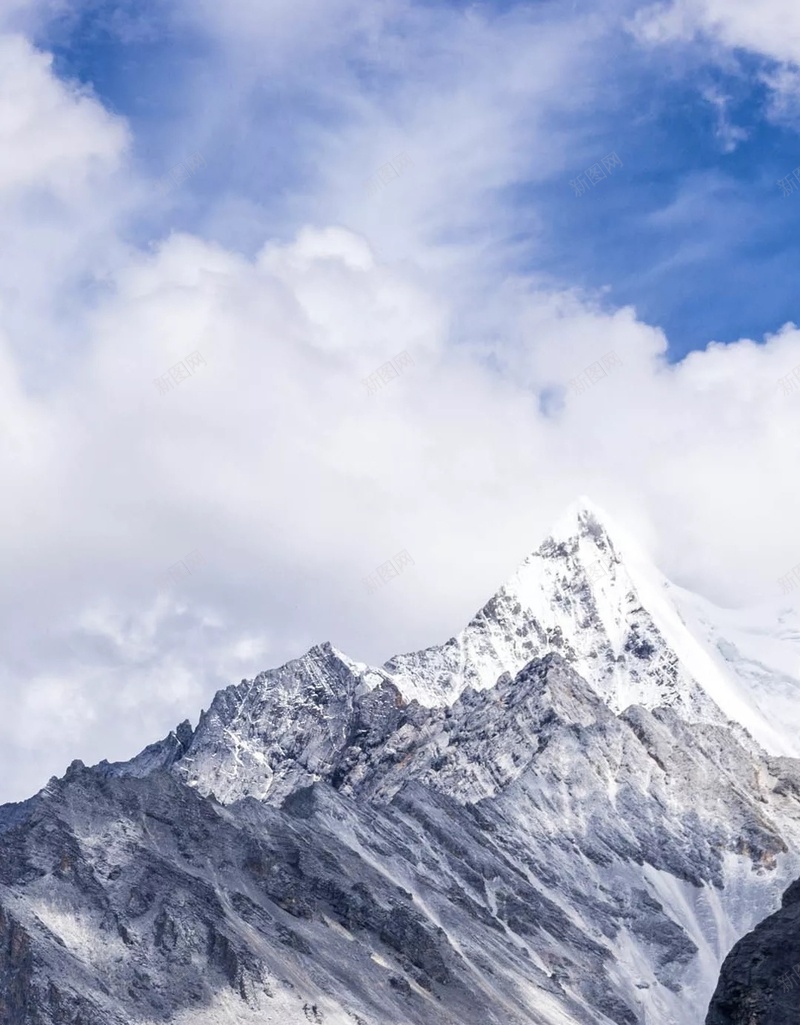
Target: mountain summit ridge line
{"x":590,"y":593}
{"x":552,"y":817}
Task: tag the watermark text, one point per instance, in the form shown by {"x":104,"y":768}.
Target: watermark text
{"x":595,"y":174}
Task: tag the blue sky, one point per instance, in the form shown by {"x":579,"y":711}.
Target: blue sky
{"x":692,"y":230}
{"x":699,"y":239}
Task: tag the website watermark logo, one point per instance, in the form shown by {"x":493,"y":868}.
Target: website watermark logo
{"x":175,"y":375}
{"x":789,"y":184}
{"x":182,"y":172}
{"x":791,"y":382}
{"x":387,"y":372}
{"x":180,"y":570}
{"x":388,"y":571}
{"x":397,"y":166}
{"x":595,"y":372}
{"x":790,"y":581}
{"x":596,"y":570}
{"x":595,"y":174}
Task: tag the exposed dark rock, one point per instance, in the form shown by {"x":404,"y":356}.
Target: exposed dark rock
{"x":759,"y":982}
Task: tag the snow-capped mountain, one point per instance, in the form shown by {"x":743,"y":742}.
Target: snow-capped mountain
{"x":568,"y":813}
{"x":587,"y":593}
{"x":590,"y":593}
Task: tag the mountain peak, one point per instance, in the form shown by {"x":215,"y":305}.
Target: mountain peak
{"x":591,"y":594}
{"x":590,"y":533}
{"x":580,"y":517}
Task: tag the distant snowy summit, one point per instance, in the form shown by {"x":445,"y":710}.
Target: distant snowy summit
{"x":588,"y":594}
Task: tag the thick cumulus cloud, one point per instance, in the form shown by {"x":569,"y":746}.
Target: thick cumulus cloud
{"x":199,"y":480}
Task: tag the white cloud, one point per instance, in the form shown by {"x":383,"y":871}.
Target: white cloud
{"x":294,"y":484}
{"x":728,"y":134}
{"x":64,"y":191}
{"x":272,"y":461}
{"x":54,"y":138}
{"x":784,"y":85}
{"x":770,"y":29}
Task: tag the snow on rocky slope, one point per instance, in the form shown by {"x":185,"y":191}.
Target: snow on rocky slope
{"x":590,"y":593}
{"x":567,"y":815}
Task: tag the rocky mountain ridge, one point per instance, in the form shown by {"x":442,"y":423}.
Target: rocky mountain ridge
{"x":587,"y":593}
{"x":554,"y":817}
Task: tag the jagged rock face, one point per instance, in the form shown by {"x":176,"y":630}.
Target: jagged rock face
{"x":16,"y":970}
{"x":135,"y":899}
{"x":523,"y":852}
{"x":287,"y":727}
{"x":551,"y":818}
{"x":760,"y":979}
{"x":142,"y":901}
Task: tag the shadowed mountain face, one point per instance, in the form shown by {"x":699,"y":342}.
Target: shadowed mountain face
{"x":552,"y":818}
{"x":760,"y":979}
